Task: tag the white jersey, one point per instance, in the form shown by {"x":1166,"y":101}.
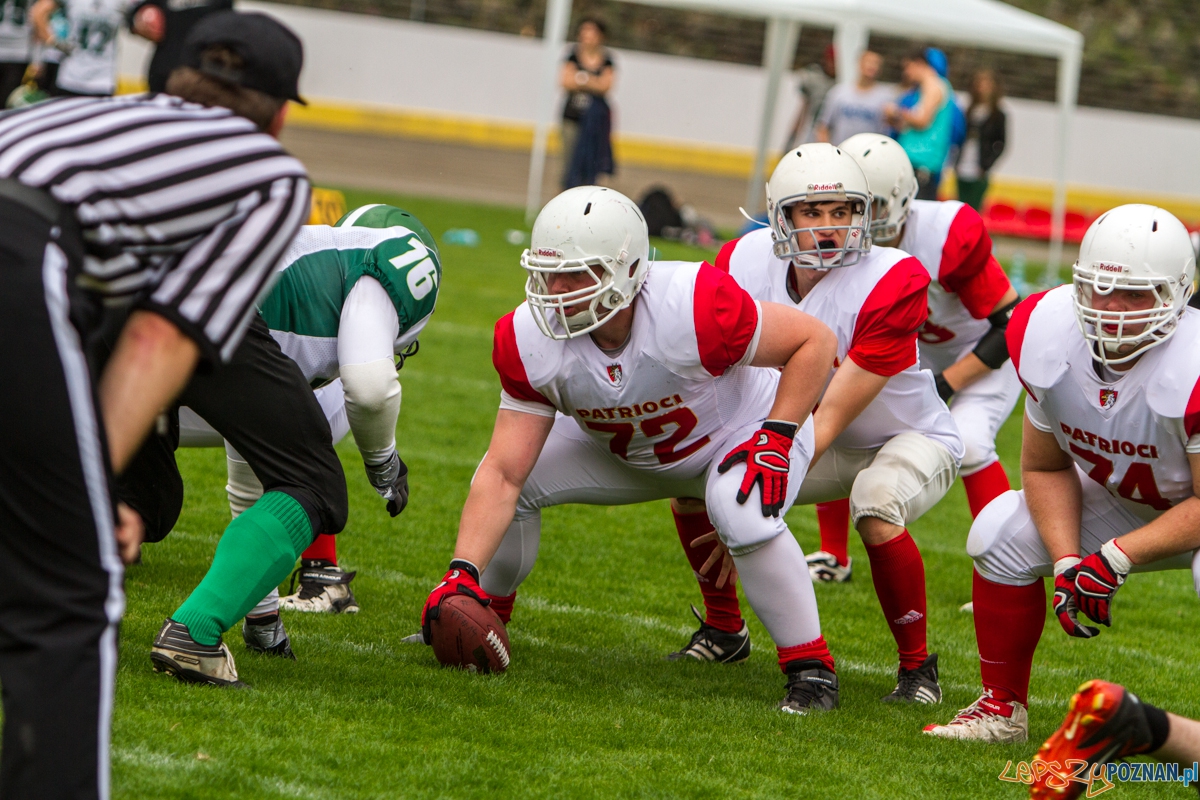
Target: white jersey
{"x":875,"y":308}
{"x":90,"y":64}
{"x":680,"y":381}
{"x":950,"y":240}
{"x":1131,"y":435}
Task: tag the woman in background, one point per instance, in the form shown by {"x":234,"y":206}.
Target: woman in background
{"x":986,"y":134}
{"x":587,"y":76}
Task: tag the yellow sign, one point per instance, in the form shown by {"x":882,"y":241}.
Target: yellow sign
{"x":328,"y":206}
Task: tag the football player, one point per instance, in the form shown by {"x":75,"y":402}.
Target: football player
{"x":626,"y":381}
{"x":883,"y":436}
{"x":962,"y":341}
{"x":1106,"y":723}
{"x":1110,"y":459}
{"x":349,"y":299}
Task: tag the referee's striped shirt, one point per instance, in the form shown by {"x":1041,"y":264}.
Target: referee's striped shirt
{"x":183,"y":209}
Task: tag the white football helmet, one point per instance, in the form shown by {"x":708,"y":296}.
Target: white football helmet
{"x":819,"y":173}
{"x":593,"y":231}
{"x":892,"y":180}
{"x":1133,"y":247}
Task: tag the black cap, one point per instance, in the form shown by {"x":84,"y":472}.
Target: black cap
{"x":271,"y":54}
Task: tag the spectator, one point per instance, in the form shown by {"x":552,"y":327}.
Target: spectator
{"x":167,"y":23}
{"x":849,"y":110}
{"x":587,"y":75}
{"x":88,"y":45}
{"x":924,"y":130}
{"x":14,"y":46}
{"x":986,"y":135}
{"x":815,"y":81}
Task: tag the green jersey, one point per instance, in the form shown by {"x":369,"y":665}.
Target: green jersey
{"x":319,"y":269}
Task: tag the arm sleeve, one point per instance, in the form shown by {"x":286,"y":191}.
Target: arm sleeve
{"x":369,"y":324}
{"x":968,"y":267}
{"x":727,"y":321}
{"x":885,"y":333}
{"x":506,"y":358}
{"x":1036,"y":416}
{"x":210,"y":294}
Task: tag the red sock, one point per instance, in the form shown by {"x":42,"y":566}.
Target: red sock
{"x":816,"y":650}
{"x":721,"y":609}
{"x":503,"y":606}
{"x":1008,"y":624}
{"x":834,"y":520}
{"x":985,"y":486}
{"x":323,"y":548}
{"x":899,"y":576}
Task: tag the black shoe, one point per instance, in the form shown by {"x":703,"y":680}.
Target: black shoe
{"x":710,"y":644}
{"x":176,"y":653}
{"x":324,"y":589}
{"x":918,"y":685}
{"x":266,"y":635}
{"x":810,"y":687}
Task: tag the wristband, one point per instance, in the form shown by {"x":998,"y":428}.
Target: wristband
{"x":944,"y":389}
{"x":1065,"y":563}
{"x":1116,"y":557}
{"x":781,"y":427}
{"x":465,"y":566}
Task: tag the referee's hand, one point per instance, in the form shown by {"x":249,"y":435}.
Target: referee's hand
{"x":129,"y":533}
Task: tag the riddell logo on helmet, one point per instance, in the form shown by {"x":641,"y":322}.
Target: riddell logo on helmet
{"x":549,"y":252}
{"x":825,"y":187}
{"x":1104,"y":266}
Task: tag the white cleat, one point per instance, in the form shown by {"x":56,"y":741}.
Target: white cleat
{"x":986,"y":720}
{"x":824,"y":567}
{"x":324,"y":589}
{"x":967,"y":608}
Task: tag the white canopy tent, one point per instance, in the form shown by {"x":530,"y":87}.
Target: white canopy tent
{"x":989,"y":24}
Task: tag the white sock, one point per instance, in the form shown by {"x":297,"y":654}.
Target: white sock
{"x":268,"y":605}
{"x":243,"y":488}
{"x":776,"y":582}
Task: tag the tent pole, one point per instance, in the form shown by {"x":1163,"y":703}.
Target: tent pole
{"x":849,"y":42}
{"x":1068,"y":93}
{"x":558,"y":17}
{"x":778,"y":51}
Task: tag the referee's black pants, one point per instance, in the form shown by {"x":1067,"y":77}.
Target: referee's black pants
{"x":262,"y":405}
{"x":61,"y":596}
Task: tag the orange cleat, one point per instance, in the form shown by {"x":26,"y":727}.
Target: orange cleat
{"x":1104,"y":722}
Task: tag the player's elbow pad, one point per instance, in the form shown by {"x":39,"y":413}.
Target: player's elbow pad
{"x":992,"y":348}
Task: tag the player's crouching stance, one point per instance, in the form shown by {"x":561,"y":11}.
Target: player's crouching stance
{"x":651,"y":371}
{"x":883,"y":437}
{"x":1110,"y":460}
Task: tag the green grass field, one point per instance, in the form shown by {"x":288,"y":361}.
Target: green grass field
{"x":589,"y":707}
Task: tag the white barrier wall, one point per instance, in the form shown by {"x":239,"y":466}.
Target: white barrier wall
{"x":353,"y":58}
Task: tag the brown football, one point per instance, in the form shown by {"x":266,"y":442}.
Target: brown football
{"x":469,"y":636}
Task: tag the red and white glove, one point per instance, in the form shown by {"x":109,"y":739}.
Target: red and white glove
{"x":461,"y":578}
{"x":1065,"y":607}
{"x":1099,"y":576}
{"x":767,"y":457}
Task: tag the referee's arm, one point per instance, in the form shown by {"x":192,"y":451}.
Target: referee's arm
{"x":201,"y":309}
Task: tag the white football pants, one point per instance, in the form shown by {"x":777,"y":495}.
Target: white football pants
{"x":979,"y":410}
{"x":575,"y":468}
{"x":1007,"y":549}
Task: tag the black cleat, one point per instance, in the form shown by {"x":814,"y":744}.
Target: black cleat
{"x":176,"y":653}
{"x":810,"y":687}
{"x":324,"y":589}
{"x":710,"y":644}
{"x":266,"y":635}
{"x":918,"y":685}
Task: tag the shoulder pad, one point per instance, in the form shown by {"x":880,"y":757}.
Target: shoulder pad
{"x":1178,"y":370}
{"x":1043,"y":356}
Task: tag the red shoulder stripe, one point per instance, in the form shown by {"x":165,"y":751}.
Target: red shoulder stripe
{"x":1015,"y":333}
{"x":1191,"y":417}
{"x":724,"y":254}
{"x":885,"y":333}
{"x":506,"y":358}
{"x":725,"y":318}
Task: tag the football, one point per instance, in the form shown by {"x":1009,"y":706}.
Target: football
{"x":469,"y":636}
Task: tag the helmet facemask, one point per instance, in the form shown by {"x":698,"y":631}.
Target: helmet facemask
{"x":787,"y":236}
{"x":1116,"y":337}
{"x":603,"y":297}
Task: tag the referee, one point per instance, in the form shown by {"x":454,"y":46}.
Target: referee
{"x":181,"y":210}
